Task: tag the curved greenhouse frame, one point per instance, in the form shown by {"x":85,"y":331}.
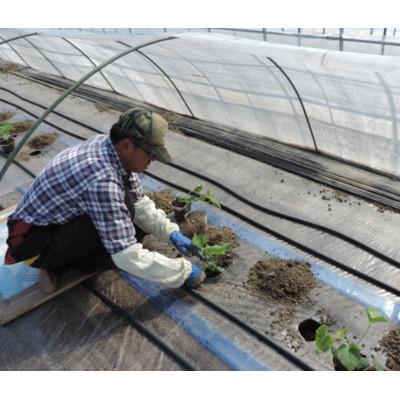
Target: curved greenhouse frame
{"x":350,"y":101}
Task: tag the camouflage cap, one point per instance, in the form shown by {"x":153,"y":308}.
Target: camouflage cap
{"x":147,"y":129}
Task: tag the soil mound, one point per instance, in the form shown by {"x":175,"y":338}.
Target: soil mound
{"x":283,"y":280}
{"x":41,"y":141}
{"x":162,"y":200}
{"x":4,"y":116}
{"x":391,"y":345}
{"x":22,"y":126}
{"x":216,"y":234}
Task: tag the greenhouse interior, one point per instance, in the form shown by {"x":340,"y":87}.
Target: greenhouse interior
{"x":287,"y":142}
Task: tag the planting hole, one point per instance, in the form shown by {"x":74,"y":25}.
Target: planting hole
{"x":35,"y":153}
{"x":308,"y":329}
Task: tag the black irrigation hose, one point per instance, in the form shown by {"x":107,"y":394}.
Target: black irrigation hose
{"x":241,"y":323}
{"x":246,"y":148}
{"x":54,"y":112}
{"x":292,"y":242}
{"x":29,"y":172}
{"x":120,"y":311}
{"x":140,"y":327}
{"x":277,"y":214}
{"x":263,"y":338}
{"x":47,"y":123}
{"x":296,"y":220}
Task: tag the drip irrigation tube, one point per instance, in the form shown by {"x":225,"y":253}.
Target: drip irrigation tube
{"x":290,"y":218}
{"x":140,"y":327}
{"x":265,"y":210}
{"x":263,"y":338}
{"x":281,"y":350}
{"x":292,"y":242}
{"x":267,"y":151}
{"x":260,"y":336}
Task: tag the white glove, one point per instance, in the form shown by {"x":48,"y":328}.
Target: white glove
{"x":153,"y":266}
{"x":153,"y":220}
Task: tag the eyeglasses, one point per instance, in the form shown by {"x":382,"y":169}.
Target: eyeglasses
{"x":149,"y":152}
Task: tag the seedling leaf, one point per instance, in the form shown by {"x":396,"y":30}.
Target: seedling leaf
{"x":323,"y":340}
{"x":349,"y":356}
{"x":375,"y":316}
{"x":199,"y":241}
{"x":5,"y":131}
{"x":217,"y":250}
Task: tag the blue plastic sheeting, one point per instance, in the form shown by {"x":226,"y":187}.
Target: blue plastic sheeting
{"x":17,"y":277}
{"x":231,"y":354}
{"x":342,"y":285}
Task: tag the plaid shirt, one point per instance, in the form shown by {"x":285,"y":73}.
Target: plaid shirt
{"x":85,"y":179}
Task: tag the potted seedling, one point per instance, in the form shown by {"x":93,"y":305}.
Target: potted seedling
{"x":182,"y":204}
{"x":347,"y":355}
{"x":212,"y":255}
{"x":6,"y":138}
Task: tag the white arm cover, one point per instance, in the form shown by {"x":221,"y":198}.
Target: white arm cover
{"x":153,"y":220}
{"x":153,"y":266}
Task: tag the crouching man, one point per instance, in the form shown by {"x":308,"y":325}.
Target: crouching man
{"x":87,"y":210}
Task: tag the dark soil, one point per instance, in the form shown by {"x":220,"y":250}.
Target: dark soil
{"x":151,"y":243}
{"x":289,"y":281}
{"x":162,"y":200}
{"x":216,"y":235}
{"x":43,"y":140}
{"x":4,"y":116}
{"x":391,"y":345}
{"x":22,"y":126}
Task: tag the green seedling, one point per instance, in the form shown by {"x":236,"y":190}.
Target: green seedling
{"x":199,"y":195}
{"x":211,"y":253}
{"x":6,"y":130}
{"x":348,"y":353}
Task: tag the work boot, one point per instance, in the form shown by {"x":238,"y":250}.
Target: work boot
{"x":47,"y":281}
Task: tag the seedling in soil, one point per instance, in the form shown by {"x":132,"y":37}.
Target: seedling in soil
{"x":212,"y":254}
{"x":348,"y":353}
{"x":6,"y":130}
{"x":206,"y":196}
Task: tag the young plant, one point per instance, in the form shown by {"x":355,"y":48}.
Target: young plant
{"x":346,"y":352}
{"x":211,"y":253}
{"x":207,"y":197}
{"x":6,"y":130}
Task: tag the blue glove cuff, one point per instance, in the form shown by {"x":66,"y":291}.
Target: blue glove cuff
{"x":196,"y":277}
{"x":179,"y":238}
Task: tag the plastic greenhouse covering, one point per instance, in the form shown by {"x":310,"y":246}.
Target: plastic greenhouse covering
{"x":351,"y":100}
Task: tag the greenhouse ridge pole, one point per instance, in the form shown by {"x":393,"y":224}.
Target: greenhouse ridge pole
{"x":90,"y":60}
{"x":165,"y":74}
{"x":298,"y":96}
{"x":15,"y":38}
{"x":18,"y":37}
{"x":12,"y":156}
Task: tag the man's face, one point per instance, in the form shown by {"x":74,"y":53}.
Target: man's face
{"x":133,"y":158}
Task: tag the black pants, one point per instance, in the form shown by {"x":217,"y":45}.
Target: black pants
{"x":74,"y":245}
